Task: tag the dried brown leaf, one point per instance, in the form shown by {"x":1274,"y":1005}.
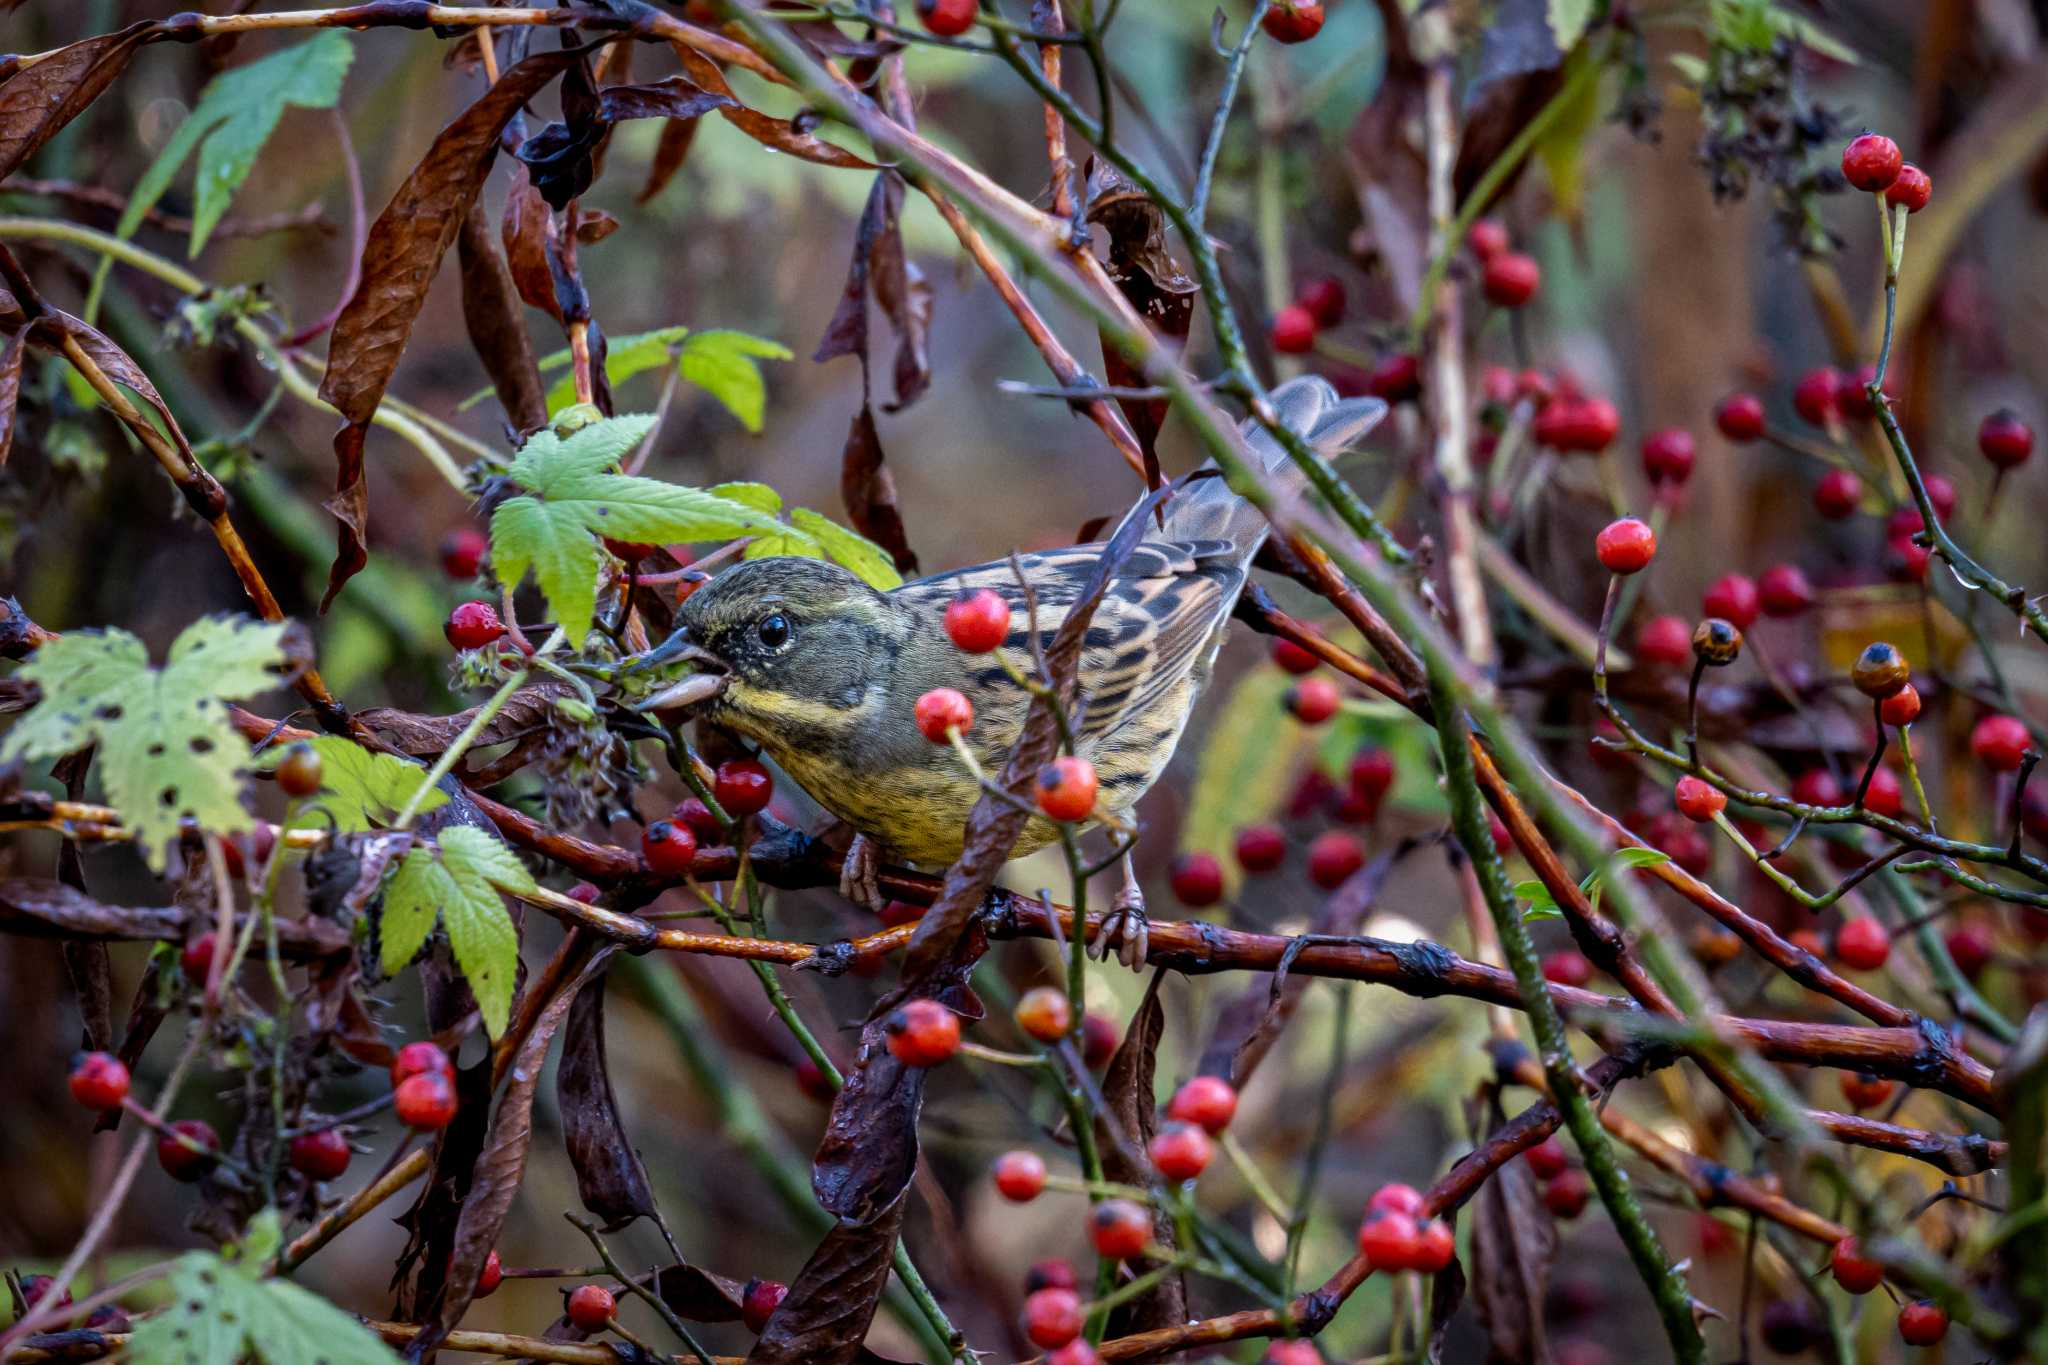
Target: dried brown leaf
{"x":11,"y":357}
{"x":527,"y":228}
{"x":1144,"y":269}
{"x":669,"y":154}
{"x":674,"y":98}
{"x":118,"y":365}
{"x":610,"y":1180}
{"x":869,"y":492}
{"x":1129,"y":1122}
{"x":36,"y":102}
{"x":826,"y":1313}
{"x":1514,"y":1241}
{"x":784,"y":135}
{"x":496,"y":325}
{"x":697,"y":1295}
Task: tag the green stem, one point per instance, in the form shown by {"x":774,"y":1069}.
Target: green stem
{"x":452,"y":755}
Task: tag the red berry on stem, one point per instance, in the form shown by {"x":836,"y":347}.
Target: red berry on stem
{"x":1740,"y":417}
{"x":1817,"y":787}
{"x":942,"y":711}
{"x":1567,"y":967}
{"x":1395,"y":1198}
{"x":1922,"y":1322}
{"x":1197,"y":879}
{"x":1668,"y":455}
{"x":196,"y":958}
{"x":1971,"y":947}
{"x":1066,"y":788}
{"x":1852,"y":398}
{"x":99,"y":1081}
{"x":1044,"y":1013}
{"x":695,"y":816}
{"x":1510,"y":278}
{"x":1862,"y":943}
{"x":1865,"y":1091}
{"x":2004,"y":439}
{"x":1332,"y":858}
{"x":670,"y":849}
{"x":743,"y":786}
{"x":1784,"y":590}
{"x":1313,"y":700}
{"x":1100,"y":1038}
{"x":1020,"y":1176}
{"x":1901,"y":707}
{"x":417,"y":1058}
{"x":591,"y":1307}
{"x":1665,"y":640}
{"x":181,"y":1162}
{"x":2000,"y":743}
{"x":1293,"y":21}
{"x":1208,"y":1102}
{"x":1626,"y":546}
{"x":298,"y":771}
{"x":1488,"y":238}
{"x":1181,"y":1151}
{"x":1260,"y":848}
{"x":1397,"y":378}
{"x":1565,"y":1194}
{"x":1853,"y":1270}
{"x":1292,"y":657}
{"x":1052,"y":1273}
{"x":1119,"y":1228}
{"x":462,"y":552}
{"x":425,"y":1102}
{"x":1697,"y":800}
{"x":1323,"y":296}
{"x":322,"y":1156}
{"x":1912,"y":190}
{"x":1291,"y":1353}
{"x":1871,"y":163}
{"x":1886,"y":795}
{"x":1294,"y":330}
{"x":1075,"y":1352}
{"x":977,"y":620}
{"x":473,"y":625}
{"x":894,"y":913}
{"x":1942,"y":494}
{"x":1814,"y":396}
{"x":922,"y":1033}
{"x":491,"y":1276}
{"x":946,"y":18}
{"x":586,"y":893}
{"x":1387,"y":1240}
{"x":1053,"y":1317}
{"x":1547,"y":1158}
{"x":1372,"y":772}
{"x":1838,"y":494}
{"x":1435,"y":1245}
{"x":1734,"y":599}
{"x":758,"y":1302}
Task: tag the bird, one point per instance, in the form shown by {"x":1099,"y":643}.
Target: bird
{"x":822,"y":671}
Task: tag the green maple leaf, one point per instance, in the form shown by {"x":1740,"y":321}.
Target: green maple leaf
{"x":458,"y":883}
{"x":722,"y":362}
{"x":359,"y":788}
{"x":167,"y":750}
{"x":575,"y":495}
{"x":222,"y":1309}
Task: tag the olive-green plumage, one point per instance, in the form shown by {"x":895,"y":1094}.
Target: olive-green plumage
{"x":825,"y":670}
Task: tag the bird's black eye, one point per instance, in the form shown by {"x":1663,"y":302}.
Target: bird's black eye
{"x":774,"y":631}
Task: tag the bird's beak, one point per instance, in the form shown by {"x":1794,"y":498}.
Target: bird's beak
{"x":691,"y":691}
{"x":677,"y":646}
{"x":700,"y":686}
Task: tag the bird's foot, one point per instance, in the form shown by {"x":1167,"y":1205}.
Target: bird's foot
{"x":1126,"y":929}
{"x":860,"y":874}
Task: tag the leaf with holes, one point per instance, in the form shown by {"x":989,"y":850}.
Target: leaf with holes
{"x":167,"y":748}
{"x":458,"y":882}
{"x":359,"y":788}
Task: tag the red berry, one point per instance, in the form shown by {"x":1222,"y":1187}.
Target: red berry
{"x":1044,"y":1013}
{"x":1970,"y":947}
{"x":36,"y":1288}
{"x":942,"y":711}
{"x":1854,"y":1271}
{"x":1119,"y":1229}
{"x":1817,"y":787}
{"x":1862,"y":943}
{"x":1292,"y":657}
{"x":99,"y":1081}
{"x":670,"y":849}
{"x":1294,"y":327}
{"x":1699,"y":801}
{"x":591,"y":1307}
{"x":1372,"y":772}
{"x":1814,"y":397}
{"x":417,"y":1058}
{"x":181,"y":1162}
{"x":473,"y":625}
{"x":693,"y":815}
{"x":1388,"y":1240}
{"x":1053,"y":1317}
{"x":462,"y":552}
{"x":1313,"y":700}
{"x":1922,"y":1323}
{"x":586,"y":893}
{"x":1208,"y":1102}
{"x":1665,"y":640}
{"x":1536,"y":386}
{"x":1901,"y":707}
{"x":1740,"y":417}
{"x":1197,"y":879}
{"x":1865,"y":1091}
{"x":1565,"y":1194}
{"x":758,"y":1302}
{"x":426,"y":1101}
{"x":1567,"y":967}
{"x":1397,"y":378}
{"x":1886,"y":795}
{"x":946,"y":18}
{"x":1488,"y":238}
{"x":1784,"y":590}
{"x":1435,"y":1245}
{"x":1668,"y":455}
{"x":298,"y":771}
{"x":1942,"y":494}
{"x":977,"y":620}
{"x":810,"y":1078}
{"x":1510,"y":278}
{"x":1181,"y":1151}
{"x":1907,"y":561}
{"x":1100,"y":1038}
{"x":1912,"y":189}
{"x":922,"y":1033}
{"x":1066,"y":788}
{"x":490,"y":1277}
{"x":1075,"y":1352}
{"x":196,"y":958}
{"x":2000,"y":743}
{"x":1323,"y":296}
{"x":1395,"y":1197}
{"x":1020,"y":1176}
{"x":1734,"y":599}
{"x":1838,"y":494}
{"x":2004,"y":439}
{"x":1625,"y":546}
{"x":1852,"y":398}
{"x":1260,"y":848}
{"x":894,"y":913}
{"x":1547,"y":1158}
{"x":1053,"y":1273}
{"x":1871,"y":163}
{"x":1293,"y":1352}
{"x":322,"y":1156}
{"x":1332,"y":858}
{"x":1293,"y":21}
{"x":743,"y":786}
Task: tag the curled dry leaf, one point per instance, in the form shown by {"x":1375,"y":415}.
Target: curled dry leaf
{"x":610,"y":1180}
{"x":1514,"y":1241}
{"x":1520,"y":68}
{"x":11,"y":356}
{"x":1125,"y":1129}
{"x":669,"y":154}
{"x":869,"y":491}
{"x":1387,"y":169}
{"x":497,"y":330}
{"x":784,"y":135}
{"x":1146,"y":272}
{"x":39,"y":907}
{"x":36,"y":102}
{"x":826,"y":1313}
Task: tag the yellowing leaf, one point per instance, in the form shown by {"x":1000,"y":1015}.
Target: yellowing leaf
{"x":359,"y":788}
{"x":722,"y":364}
{"x":1563,"y":145}
{"x":849,"y":548}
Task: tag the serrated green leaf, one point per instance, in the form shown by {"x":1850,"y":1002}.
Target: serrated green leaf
{"x":167,"y":750}
{"x":557,"y":546}
{"x":1541,"y":905}
{"x":1536,"y":913}
{"x":483,"y":854}
{"x":413,"y":897}
{"x":850,"y":549}
{"x":359,"y":788}
{"x":783,"y":540}
{"x":758,"y":496}
{"x":1568,"y":21}
{"x":594,"y":449}
{"x":485,"y":942}
{"x":624,"y":357}
{"x":224,"y":1310}
{"x":458,"y":882}
{"x":721,"y":362}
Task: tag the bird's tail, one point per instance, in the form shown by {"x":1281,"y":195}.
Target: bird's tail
{"x":1206,"y":509}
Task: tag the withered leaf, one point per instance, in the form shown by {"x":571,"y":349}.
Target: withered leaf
{"x":673,"y":98}
{"x":527,"y":228}
{"x":1126,"y":1128}
{"x":1146,"y":273}
{"x":36,"y":102}
{"x":118,"y":365}
{"x":400,"y":258}
{"x":431,"y":1221}
{"x":1514,"y":1241}
{"x":902,"y":292}
{"x":41,"y":908}
{"x":869,"y":492}
{"x":497,"y":330}
{"x":697,"y":1295}
{"x":593,"y":226}
{"x":610,"y":1180}
{"x":669,"y":154}
{"x":1446,"y":1296}
{"x":784,"y":135}
{"x":826,"y":1313}
{"x":11,"y":358}
{"x":869,"y":1150}
{"x":1387,"y":169}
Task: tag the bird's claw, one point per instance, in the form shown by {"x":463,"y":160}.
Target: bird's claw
{"x":860,"y":874}
{"x":1126,"y":929}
